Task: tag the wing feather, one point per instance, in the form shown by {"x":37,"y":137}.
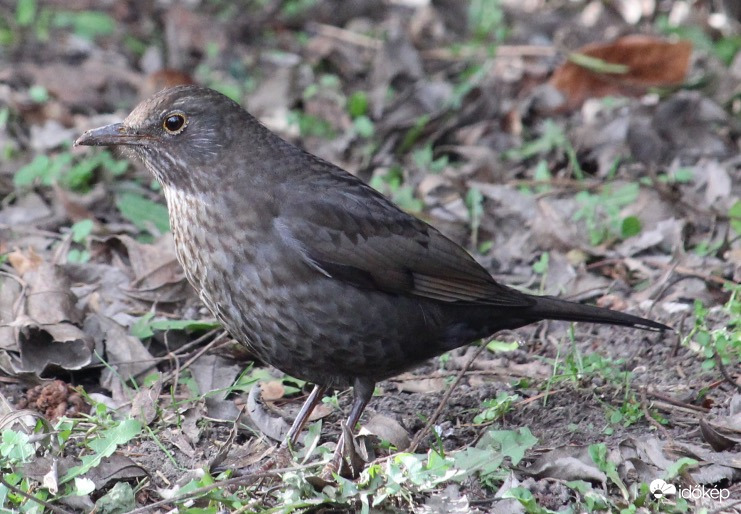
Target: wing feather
{"x":350,"y":232}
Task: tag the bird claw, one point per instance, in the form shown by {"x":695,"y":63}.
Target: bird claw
{"x":346,"y":461}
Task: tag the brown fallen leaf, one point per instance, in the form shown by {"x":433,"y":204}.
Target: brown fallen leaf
{"x":635,"y":63}
{"x":115,"y":468}
{"x":421,"y":385}
{"x":24,"y":262}
{"x":272,"y":390}
{"x":45,"y":347}
{"x":387,"y":429}
{"x":144,"y":404}
{"x":49,"y":297}
{"x":157,"y":276}
{"x":163,"y":79}
{"x":271,"y":426}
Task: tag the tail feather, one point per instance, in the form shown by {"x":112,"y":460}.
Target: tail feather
{"x":547,"y":307}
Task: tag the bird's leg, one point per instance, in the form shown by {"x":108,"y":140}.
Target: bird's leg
{"x":281,"y":456}
{"x":303,"y":415}
{"x":362,"y":392}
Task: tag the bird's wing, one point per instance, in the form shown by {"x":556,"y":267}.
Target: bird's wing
{"x":348,"y":231}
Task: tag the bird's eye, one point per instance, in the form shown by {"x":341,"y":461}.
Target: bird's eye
{"x":174,"y":123}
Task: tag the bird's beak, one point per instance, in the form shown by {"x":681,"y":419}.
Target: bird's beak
{"x":110,"y":135}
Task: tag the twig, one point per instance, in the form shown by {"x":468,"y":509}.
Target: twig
{"x":242,"y":480}
{"x":683,"y":270}
{"x":676,"y":403}
{"x":156,"y":360}
{"x":194,"y":358}
{"x":19,"y":302}
{"x":724,"y":372}
{"x":502,"y":51}
{"x":725,"y":508}
{"x":444,"y":400}
{"x":564,"y":183}
{"x":346,"y":36}
{"x":31,"y":497}
{"x":644,"y":407}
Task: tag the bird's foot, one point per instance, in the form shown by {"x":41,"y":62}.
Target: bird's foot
{"x":275,"y":458}
{"x":346,"y":461}
{"x":280,"y":458}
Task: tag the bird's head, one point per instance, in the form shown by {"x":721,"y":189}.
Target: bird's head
{"x":182,"y":134}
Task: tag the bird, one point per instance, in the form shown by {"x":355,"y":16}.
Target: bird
{"x":314,"y":271}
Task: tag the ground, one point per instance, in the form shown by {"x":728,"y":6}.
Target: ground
{"x":582,"y":149}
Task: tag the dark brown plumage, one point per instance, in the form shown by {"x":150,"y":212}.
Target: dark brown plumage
{"x":313,"y":270}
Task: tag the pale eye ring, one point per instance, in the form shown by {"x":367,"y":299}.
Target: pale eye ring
{"x":174,"y":123}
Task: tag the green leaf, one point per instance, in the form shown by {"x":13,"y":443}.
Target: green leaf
{"x":78,"y":256}
{"x":483,"y":460}
{"x":541,"y":266}
{"x":631,"y":226}
{"x":598,"y":453}
{"x":184,"y":324}
{"x":622,"y":196}
{"x":404,"y":198}
{"x":513,"y":443}
{"x":43,"y":169}
{"x":25,"y":11}
{"x":734,"y":213}
{"x":310,"y":125}
{"x":495,"y":408}
{"x":15,"y":446}
{"x":414,"y":133}
{"x":526,"y":499}
{"x":357,"y":104}
{"x":598,"y":65}
{"x":104,"y":445}
{"x":233,"y":91}
{"x":364,"y":126}
{"x":142,"y":328}
{"x":86,"y":24}
{"x":143,"y":213}
{"x":683,"y":175}
{"x":679,"y":467}
{"x":501,"y":346}
{"x":79,"y":176}
{"x":542,"y":173}
{"x":38,"y":94}
{"x":115,"y":166}
{"x":81,"y":230}
{"x":119,"y":499}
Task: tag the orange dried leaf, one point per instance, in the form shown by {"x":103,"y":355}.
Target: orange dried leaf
{"x":23,"y":263}
{"x":646,"y":61}
{"x":272,"y":390}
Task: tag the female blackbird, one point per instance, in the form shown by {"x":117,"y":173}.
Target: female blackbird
{"x":313,"y":270}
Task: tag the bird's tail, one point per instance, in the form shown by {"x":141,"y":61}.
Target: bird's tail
{"x":547,"y":307}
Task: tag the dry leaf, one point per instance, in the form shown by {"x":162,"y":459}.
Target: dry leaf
{"x":58,"y":345}
{"x":144,"y":404}
{"x":273,"y":427}
{"x":420,"y":385}
{"x":649,"y":61}
{"x":272,"y":390}
{"x":387,"y":429}
{"x":214,"y":373}
{"x":23,"y":263}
